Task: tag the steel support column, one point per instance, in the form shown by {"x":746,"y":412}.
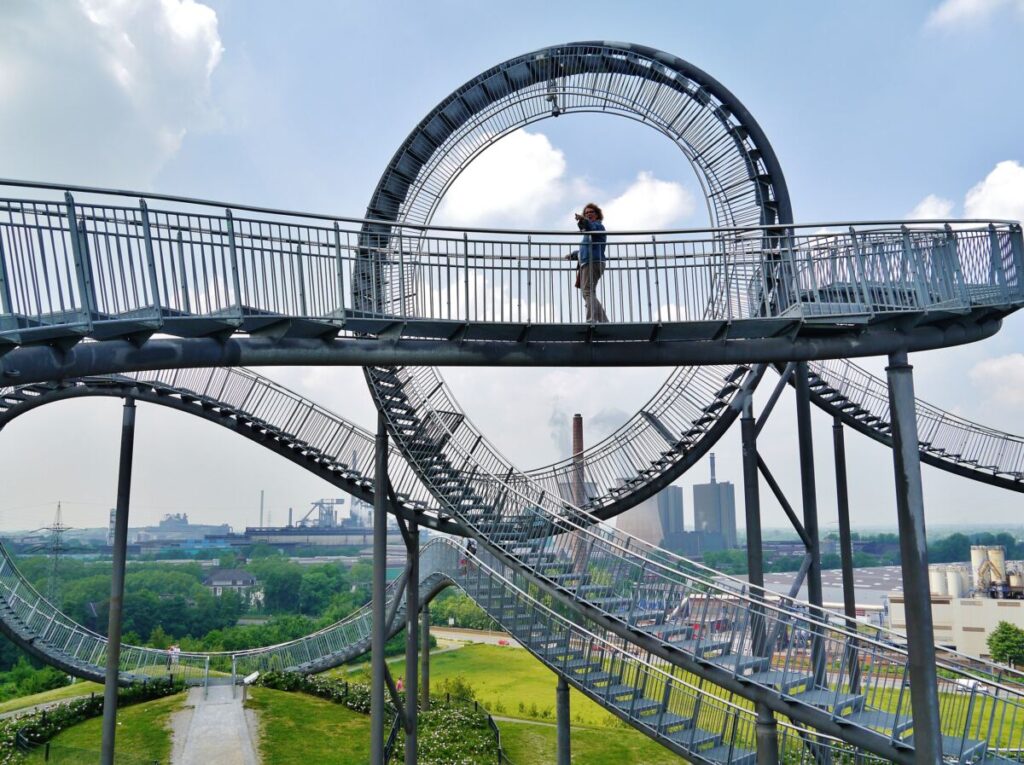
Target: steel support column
{"x":810,"y":505}
{"x":562,"y":714}
{"x":124,"y":489}
{"x":846,"y":546}
{"x":425,"y":658}
{"x":412,"y":591}
{"x":378,"y":637}
{"x":924,"y":694}
{"x":767,"y":731}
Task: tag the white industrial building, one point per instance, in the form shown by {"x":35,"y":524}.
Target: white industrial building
{"x":969,"y":601}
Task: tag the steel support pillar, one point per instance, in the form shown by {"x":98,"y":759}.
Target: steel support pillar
{"x":846,"y":547}
{"x":810,"y":504}
{"x":412,"y":591}
{"x":924,"y":694}
{"x":767,"y":731}
{"x":562,"y":714}
{"x":425,"y":659}
{"x":378,"y":637}
{"x":124,"y":489}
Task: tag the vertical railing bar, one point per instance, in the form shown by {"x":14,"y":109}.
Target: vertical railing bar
{"x":147,"y":237}
{"x":232,"y":251}
{"x":81,"y":267}
{"x":465,"y":252}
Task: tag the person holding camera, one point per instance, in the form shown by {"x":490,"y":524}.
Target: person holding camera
{"x":591,"y":256}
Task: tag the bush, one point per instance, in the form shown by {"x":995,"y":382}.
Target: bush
{"x":458,"y":688}
{"x":450,"y":733}
{"x":39,"y":727}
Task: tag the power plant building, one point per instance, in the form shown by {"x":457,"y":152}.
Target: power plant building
{"x":656,"y":518}
{"x":714,"y":512}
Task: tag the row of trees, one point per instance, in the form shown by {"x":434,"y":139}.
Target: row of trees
{"x":165,"y":603}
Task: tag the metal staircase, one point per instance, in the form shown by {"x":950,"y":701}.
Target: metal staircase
{"x":948,"y":441}
{"x":681,"y":712}
{"x":684,"y":614}
{"x":780,"y":652}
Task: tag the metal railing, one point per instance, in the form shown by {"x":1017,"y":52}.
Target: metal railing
{"x":82,"y":268}
{"x":942,"y":434}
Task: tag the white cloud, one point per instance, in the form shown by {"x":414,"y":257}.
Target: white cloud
{"x":513,"y":184}
{"x":103,"y":92}
{"x":931,"y":207}
{"x":650,"y":204}
{"x":1001,"y":378}
{"x":954,"y":14}
{"x":1000,"y":195}
{"x":522,"y":181}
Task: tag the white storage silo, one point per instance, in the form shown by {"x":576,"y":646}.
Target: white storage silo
{"x":954,"y":583}
{"x":965,"y":578}
{"x":937,"y":580}
{"x":979,"y":571}
{"x":997,"y":557}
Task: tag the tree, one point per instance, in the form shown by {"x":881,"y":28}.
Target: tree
{"x":1006,"y":643}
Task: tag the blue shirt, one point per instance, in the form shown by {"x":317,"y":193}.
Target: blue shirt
{"x":593,"y":245}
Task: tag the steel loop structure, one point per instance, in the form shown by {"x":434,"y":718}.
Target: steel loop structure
{"x":92,"y":284}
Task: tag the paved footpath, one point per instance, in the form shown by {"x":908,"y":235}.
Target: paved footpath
{"x":214,"y":730}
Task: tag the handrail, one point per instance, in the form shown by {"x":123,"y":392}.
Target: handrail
{"x":884,"y":222}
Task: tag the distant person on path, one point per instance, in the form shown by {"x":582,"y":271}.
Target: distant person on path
{"x":591,"y":258}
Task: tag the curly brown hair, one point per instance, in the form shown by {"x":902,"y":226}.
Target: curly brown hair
{"x":595,"y":208}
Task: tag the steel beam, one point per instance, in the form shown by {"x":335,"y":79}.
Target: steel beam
{"x":38,"y":363}
{"x":784,"y":377}
{"x":425,"y":658}
{"x":562,"y":714}
{"x":378,"y":636}
{"x":124,"y":490}
{"x":846,"y":547}
{"x":411,"y":642}
{"x":809,"y":498}
{"x":767,"y":730}
{"x":924,"y":693}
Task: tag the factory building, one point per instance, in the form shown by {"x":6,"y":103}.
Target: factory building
{"x":969,"y":601}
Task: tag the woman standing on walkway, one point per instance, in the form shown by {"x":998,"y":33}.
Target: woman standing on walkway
{"x":591,"y":255}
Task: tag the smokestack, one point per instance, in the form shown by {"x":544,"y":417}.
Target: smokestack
{"x":261,"y":508}
{"x":577,"y":457}
{"x":712,"y":467}
{"x":289,"y":517}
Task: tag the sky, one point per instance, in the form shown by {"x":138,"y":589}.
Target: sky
{"x":876,"y":110}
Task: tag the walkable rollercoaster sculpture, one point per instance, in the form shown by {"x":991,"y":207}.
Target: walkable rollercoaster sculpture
{"x":165,"y":300}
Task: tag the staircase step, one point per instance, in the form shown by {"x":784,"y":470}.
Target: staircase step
{"x":639,"y":706}
{"x":784,"y":681}
{"x":619,"y":691}
{"x":694,"y":737}
{"x":669,"y":722}
{"x":735,"y":755}
{"x":740,"y":664}
{"x":829,"y":699}
{"x":879,"y":720}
